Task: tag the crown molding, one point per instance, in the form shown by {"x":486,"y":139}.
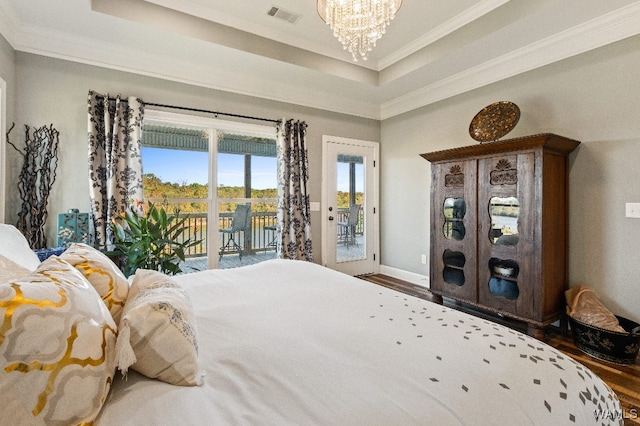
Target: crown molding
{"x":441,"y":31}
{"x":607,"y":29}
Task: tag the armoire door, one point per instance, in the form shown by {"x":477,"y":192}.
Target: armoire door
{"x":453,"y":229}
{"x":506,"y":223}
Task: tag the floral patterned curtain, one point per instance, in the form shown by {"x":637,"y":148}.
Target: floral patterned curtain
{"x":293,"y":201}
{"x":115,"y":163}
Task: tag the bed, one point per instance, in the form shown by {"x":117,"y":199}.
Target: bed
{"x":293,"y":343}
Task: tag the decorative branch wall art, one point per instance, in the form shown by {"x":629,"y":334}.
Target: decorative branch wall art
{"x":40,"y":160}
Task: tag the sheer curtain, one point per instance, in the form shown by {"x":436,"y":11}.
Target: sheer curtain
{"x":293,"y":200}
{"x":115,"y":163}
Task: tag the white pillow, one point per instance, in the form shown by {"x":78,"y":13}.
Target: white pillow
{"x":14,"y":246}
{"x":10,"y":270}
{"x":157,"y":331}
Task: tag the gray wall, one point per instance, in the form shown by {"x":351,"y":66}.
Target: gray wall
{"x":7,"y":73}
{"x":594,"y":98}
{"x":55,"y":91}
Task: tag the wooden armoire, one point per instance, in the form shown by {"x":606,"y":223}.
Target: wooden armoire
{"x":499,"y":227}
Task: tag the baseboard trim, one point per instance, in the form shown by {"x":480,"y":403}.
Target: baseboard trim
{"x":412,"y":277}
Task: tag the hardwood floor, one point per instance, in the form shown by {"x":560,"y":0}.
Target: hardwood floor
{"x":623,"y":379}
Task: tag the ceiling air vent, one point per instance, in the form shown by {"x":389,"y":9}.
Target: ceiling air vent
{"x":278,"y":12}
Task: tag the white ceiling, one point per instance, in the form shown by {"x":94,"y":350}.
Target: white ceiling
{"x":431,"y":51}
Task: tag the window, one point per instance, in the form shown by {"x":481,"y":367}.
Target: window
{"x":176,"y":174}
{"x":185,"y":157}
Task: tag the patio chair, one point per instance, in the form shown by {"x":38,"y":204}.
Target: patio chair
{"x":273,"y":229}
{"x":347,"y":226}
{"x":241,"y":222}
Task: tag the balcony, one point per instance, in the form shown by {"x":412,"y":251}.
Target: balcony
{"x":259,"y":244}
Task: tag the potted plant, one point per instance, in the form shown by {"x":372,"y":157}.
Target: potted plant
{"x":152,"y":240}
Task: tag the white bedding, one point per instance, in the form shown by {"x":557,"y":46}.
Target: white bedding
{"x":293,"y":343}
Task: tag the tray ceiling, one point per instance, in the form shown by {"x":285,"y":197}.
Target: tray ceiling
{"x":431,"y":51}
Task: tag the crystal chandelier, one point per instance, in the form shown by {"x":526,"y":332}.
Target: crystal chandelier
{"x":358,"y":24}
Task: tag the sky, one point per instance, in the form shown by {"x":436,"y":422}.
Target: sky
{"x":186,"y":167}
{"x":178,"y":166}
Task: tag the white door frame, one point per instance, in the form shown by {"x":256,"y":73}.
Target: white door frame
{"x":325,"y":203}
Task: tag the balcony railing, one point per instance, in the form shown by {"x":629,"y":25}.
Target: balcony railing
{"x":259,"y":239}
{"x":196,"y":229}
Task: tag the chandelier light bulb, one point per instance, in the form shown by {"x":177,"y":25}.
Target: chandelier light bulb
{"x":358,"y":24}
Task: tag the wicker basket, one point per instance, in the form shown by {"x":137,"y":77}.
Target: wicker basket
{"x":607,"y":345}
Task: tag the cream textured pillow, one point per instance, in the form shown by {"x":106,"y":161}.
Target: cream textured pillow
{"x":102,"y":273}
{"x":57,"y":346}
{"x":10,"y":270}
{"x":158,"y":332}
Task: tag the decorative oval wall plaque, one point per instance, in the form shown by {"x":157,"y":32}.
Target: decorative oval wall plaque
{"x":494,"y":121}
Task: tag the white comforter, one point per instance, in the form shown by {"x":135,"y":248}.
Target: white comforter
{"x":293,"y":343}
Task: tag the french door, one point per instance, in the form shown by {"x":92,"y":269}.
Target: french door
{"x":350,"y":205}
{"x":238,"y":158}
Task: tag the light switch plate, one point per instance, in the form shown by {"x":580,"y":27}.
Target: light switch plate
{"x":632,"y":210}
{"x":314,"y":206}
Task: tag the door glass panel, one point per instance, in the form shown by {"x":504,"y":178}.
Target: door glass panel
{"x":504,"y":213}
{"x":350,"y":202}
{"x":349,"y":237}
{"x":177,"y":179}
{"x":454,"y":210}
{"x":247,"y":200}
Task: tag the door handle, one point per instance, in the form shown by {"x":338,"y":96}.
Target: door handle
{"x":330,"y":217}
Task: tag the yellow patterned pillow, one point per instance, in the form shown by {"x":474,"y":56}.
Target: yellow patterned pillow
{"x":57,"y":346}
{"x":158,"y":332}
{"x":102,"y":273}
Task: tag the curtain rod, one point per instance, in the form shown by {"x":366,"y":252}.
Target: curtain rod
{"x":228,"y":114}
